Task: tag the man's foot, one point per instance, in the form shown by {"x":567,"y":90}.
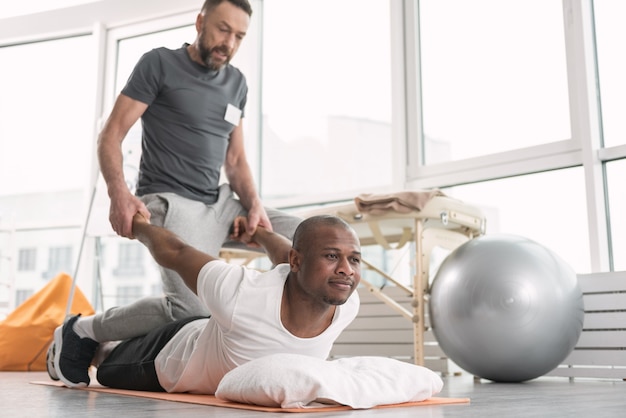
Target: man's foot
{"x":52,"y":371}
{"x":73,"y":355}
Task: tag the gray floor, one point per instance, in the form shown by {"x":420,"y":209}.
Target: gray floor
{"x":544,"y":397}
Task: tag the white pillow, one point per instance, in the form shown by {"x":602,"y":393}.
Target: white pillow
{"x":297,"y":381}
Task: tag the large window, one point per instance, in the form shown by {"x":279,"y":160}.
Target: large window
{"x":47,"y":107}
{"x":47,"y":101}
{"x":493,"y":76}
{"x":59,"y":261}
{"x":27,"y":259}
{"x":131,"y":259}
{"x":326,"y":97}
{"x":616,"y":173}
{"x":539,"y":208}
{"x":610,"y":34}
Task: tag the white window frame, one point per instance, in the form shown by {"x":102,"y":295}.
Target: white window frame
{"x":582,"y":149}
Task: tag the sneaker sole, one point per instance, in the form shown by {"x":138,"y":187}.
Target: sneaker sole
{"x":58,"y":341}
{"x":50,"y":365}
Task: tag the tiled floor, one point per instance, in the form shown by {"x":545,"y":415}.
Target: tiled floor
{"x":544,"y":397}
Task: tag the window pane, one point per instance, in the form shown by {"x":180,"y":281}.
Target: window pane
{"x":130,"y":259}
{"x":493,"y":76}
{"x":46,"y":131}
{"x":537,"y":207}
{"x":129,"y":50}
{"x":129,"y":268}
{"x":128,"y":294}
{"x":21,"y":295}
{"x":610,"y":35}
{"x":26,"y":259}
{"x":616,"y":173}
{"x":326,"y":96}
{"x":59,"y":261}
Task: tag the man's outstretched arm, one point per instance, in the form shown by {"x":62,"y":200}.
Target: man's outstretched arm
{"x":170,"y":251}
{"x":276,"y":246}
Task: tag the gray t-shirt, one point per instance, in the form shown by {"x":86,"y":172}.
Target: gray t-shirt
{"x":185,"y":134}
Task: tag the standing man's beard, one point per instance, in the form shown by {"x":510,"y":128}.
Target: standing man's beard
{"x":205,"y":54}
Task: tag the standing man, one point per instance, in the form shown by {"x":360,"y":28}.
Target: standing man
{"x":191,"y":103}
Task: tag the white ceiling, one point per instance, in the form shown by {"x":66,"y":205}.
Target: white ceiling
{"x":21,"y":8}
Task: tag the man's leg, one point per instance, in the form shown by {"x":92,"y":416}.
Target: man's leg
{"x":194,"y":222}
{"x":228,"y":208}
{"x":283,"y":223}
{"x":128,"y":321}
{"x":131,"y":363}
{"x":198,"y":225}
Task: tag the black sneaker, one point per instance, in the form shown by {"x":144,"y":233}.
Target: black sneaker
{"x":52,"y":370}
{"x":73,"y":355}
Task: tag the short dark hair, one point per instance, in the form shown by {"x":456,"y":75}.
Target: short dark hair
{"x":212,"y":4}
{"x":309,"y":226}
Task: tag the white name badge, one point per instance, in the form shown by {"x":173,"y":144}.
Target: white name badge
{"x":233,"y":114}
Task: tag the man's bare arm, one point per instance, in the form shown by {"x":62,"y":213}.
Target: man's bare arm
{"x":276,"y":246}
{"x":123,"y":204}
{"x":170,"y":251}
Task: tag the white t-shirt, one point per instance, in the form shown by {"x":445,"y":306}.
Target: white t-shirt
{"x":245,"y":324}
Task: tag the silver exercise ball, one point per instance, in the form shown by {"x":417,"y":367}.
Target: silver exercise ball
{"x":505,"y":308}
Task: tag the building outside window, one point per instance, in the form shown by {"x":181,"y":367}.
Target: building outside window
{"x":130,"y":259}
{"x":27,"y":259}
{"x":128,"y":294}
{"x":59,"y":261}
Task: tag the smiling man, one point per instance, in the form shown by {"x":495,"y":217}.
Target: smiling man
{"x":299,"y":307}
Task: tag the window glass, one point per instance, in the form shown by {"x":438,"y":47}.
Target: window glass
{"x":128,"y":294}
{"x":326,"y":97}
{"x":537,"y":207}
{"x":494,"y":76}
{"x":59,"y":261}
{"x":610,"y":35}
{"x":47,"y":107}
{"x":21,"y":295}
{"x":128,"y":267}
{"x":130,"y":259}
{"x":30,"y":258}
{"x":26,"y":259}
{"x":7,"y":296}
{"x":129,"y":50}
{"x":616,"y":173}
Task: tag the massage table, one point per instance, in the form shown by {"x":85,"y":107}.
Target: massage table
{"x":441,"y":221}
{"x":431,"y":219}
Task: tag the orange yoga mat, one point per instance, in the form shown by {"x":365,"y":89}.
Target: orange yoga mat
{"x":211,"y":400}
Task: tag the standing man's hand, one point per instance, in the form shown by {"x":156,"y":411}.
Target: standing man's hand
{"x":123,"y":207}
{"x":258,"y":217}
{"x":240,"y":232}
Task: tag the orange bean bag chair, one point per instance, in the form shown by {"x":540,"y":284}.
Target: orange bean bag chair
{"x":27,"y":332}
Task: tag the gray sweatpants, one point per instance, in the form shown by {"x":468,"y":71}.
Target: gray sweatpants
{"x":203,"y":226}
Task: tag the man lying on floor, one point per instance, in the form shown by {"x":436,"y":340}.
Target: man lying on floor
{"x":299,"y":307}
